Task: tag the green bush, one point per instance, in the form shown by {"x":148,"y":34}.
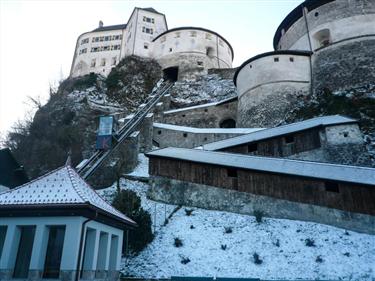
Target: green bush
{"x":129,"y":203}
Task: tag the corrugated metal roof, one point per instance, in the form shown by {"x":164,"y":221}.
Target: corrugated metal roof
{"x":344,"y":173}
{"x":279,"y":131}
{"x":59,"y":187}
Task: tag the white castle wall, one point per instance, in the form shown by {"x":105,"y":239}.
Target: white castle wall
{"x":192,"y":48}
{"x":343,"y":19}
{"x":85,"y":56}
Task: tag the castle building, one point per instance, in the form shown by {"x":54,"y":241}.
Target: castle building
{"x":326,"y":45}
{"x":180,"y":51}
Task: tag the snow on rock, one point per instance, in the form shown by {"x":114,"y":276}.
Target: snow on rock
{"x":142,"y":168}
{"x":281,"y":245}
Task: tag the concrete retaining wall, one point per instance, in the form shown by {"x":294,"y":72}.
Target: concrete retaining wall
{"x":209,"y":197}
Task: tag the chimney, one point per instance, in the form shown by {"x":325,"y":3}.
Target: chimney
{"x":100,"y":23}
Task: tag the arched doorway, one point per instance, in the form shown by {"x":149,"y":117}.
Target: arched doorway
{"x":171,"y":73}
{"x":228,"y":123}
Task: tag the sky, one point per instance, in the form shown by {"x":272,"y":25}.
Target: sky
{"x":37,"y":38}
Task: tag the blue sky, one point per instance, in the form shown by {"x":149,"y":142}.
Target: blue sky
{"x":37,"y":38}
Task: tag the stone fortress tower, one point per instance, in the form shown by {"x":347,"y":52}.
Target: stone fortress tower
{"x":182,"y":52}
{"x":325,"y":45}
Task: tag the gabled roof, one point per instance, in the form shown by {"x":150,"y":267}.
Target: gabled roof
{"x":316,"y":170}
{"x":110,"y":27}
{"x":11,"y":173}
{"x":150,"y":9}
{"x":280,"y":131}
{"x":61,"y":188}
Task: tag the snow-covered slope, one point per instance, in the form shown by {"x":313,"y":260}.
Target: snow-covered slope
{"x":336,"y":254}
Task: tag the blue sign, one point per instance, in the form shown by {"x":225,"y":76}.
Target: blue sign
{"x":104,"y":136}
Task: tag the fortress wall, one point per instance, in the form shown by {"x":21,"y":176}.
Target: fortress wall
{"x":345,"y":67}
{"x":264,"y":82}
{"x":344,"y":18}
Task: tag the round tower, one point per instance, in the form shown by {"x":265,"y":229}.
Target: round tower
{"x":185,"y":51}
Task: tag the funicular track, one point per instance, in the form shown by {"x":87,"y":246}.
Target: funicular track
{"x":89,"y":167}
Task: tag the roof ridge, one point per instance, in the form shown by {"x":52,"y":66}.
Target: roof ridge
{"x":74,"y":184}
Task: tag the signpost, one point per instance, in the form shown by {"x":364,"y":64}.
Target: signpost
{"x":104,"y":136}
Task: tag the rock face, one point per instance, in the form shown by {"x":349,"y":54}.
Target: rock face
{"x":203,"y":89}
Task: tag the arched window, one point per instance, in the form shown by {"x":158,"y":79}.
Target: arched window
{"x":323,"y":38}
{"x":210,"y":52}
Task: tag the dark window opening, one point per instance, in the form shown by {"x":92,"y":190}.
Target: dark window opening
{"x":25,"y":246}
{"x":232,"y":173}
{"x":3,"y":232}
{"x":252,"y":147}
{"x":228,"y":123}
{"x":170,"y":49}
{"x":289,"y":139}
{"x":205,"y":110}
{"x":183,"y":115}
{"x":291,"y":59}
{"x":275,"y":59}
{"x":159,"y":132}
{"x":54,"y":252}
{"x":205,"y":139}
{"x":171,"y":73}
{"x":200,"y":63}
{"x":346,"y":134}
{"x":331,"y":186}
{"x":316,"y":14}
{"x":250,"y":66}
{"x":210,"y":51}
{"x":185,"y":135}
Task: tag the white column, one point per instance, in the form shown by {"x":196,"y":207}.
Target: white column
{"x":39,"y":248}
{"x":119,"y":250}
{"x":72,"y":238}
{"x":10,"y":248}
{"x":108,"y":253}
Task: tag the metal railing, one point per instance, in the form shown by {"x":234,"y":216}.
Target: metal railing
{"x":88,"y":168}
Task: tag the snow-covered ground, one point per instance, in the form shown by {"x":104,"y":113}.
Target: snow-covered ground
{"x":336,"y":254}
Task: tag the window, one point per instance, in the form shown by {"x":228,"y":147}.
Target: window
{"x":276,"y":59}
{"x":232,"y":173}
{"x":147,"y":30}
{"x":102,"y":62}
{"x":84,"y":41}
{"x":210,"y":52}
{"x":291,"y":59}
{"x":159,"y":132}
{"x":147,"y":19}
{"x":250,"y":66}
{"x":25,"y":246}
{"x":323,"y":38}
{"x":106,"y":48}
{"x":332,"y":186}
{"x":208,"y":36}
{"x":185,"y":135}
{"x":107,"y":38}
{"x":162,"y":39}
{"x":252,"y":147}
{"x":289,"y":139}
{"x":114,"y":61}
{"x":93,"y":62}
{"x":3,"y":232}
{"x":145,"y":46}
{"x":170,"y":50}
{"x":54,"y":252}
{"x":177,"y":35}
{"x":101,"y":38}
{"x":193,"y":34}
{"x":200,"y":63}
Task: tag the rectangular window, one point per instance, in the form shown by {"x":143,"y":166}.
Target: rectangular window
{"x":54,"y":252}
{"x":145,"y":46}
{"x":177,"y":35}
{"x":25,"y":247}
{"x":147,"y":30}
{"x":106,"y":38}
{"x":93,"y":62}
{"x":276,"y":59}
{"x":252,"y":147}
{"x":289,"y":139}
{"x":332,"y":186}
{"x":193,"y":34}
{"x":3,"y":232}
{"x":232,"y":173}
{"x":103,"y":62}
{"x":84,"y":41}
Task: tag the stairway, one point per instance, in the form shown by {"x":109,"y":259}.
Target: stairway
{"x":89,"y":166}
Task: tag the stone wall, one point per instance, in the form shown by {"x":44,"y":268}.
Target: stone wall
{"x":224,"y":73}
{"x":345,"y":67}
{"x":203,"y":116}
{"x":209,"y":197}
{"x":268,"y":105}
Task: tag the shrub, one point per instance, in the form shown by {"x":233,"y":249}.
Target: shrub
{"x":257,"y":259}
{"x":258,"y":216}
{"x":185,"y":260}
{"x":178,"y":242}
{"x":310,"y":242}
{"x":129,"y":203}
{"x":228,"y":229}
{"x":188,"y":212}
{"x":319,"y":259}
{"x":223,"y":247}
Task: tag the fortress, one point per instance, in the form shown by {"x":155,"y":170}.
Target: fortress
{"x":178,"y":50}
